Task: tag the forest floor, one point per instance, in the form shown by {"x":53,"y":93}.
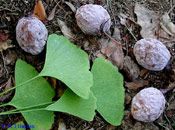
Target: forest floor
{"x":128,"y":26}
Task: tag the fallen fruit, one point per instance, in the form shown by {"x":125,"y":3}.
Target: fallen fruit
{"x":93,"y":19}
{"x":151,"y":54}
{"x":148,"y":105}
{"x":31,"y":35}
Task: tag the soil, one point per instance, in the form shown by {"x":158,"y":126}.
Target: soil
{"x":12,"y":10}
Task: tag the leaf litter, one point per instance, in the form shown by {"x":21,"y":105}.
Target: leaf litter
{"x":155,"y":25}
{"x":131,"y":68}
{"x":136,"y":84}
{"x":40,"y":13}
{"x":7,"y":86}
{"x":66,"y":30}
{"x":111,"y":50}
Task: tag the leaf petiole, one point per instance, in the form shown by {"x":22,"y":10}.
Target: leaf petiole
{"x":3,"y":105}
{"x":19,"y":85}
{"x":25,"y":108}
{"x":15,"y":111}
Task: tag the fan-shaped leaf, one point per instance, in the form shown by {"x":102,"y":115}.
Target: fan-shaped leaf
{"x":75,"y":105}
{"x":38,"y":91}
{"x":109,"y":91}
{"x":69,"y":64}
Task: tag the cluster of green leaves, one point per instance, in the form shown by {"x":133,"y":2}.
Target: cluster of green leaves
{"x":100,"y":89}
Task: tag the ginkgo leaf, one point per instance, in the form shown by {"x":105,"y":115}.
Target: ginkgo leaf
{"x":109,"y":91}
{"x":68,"y":63}
{"x":75,"y":105}
{"x":38,"y":91}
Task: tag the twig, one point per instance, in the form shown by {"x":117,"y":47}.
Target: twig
{"x":134,"y":22}
{"x":112,"y":38}
{"x":102,"y":30}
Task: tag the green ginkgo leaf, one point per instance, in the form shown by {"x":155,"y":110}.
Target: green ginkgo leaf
{"x":72,"y":104}
{"x":68,"y":63}
{"x":109,"y":91}
{"x":33,"y":93}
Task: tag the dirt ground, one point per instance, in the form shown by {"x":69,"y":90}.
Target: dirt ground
{"x":12,"y":10}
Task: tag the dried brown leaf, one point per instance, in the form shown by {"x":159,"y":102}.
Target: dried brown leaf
{"x":99,"y":54}
{"x":65,"y":30}
{"x":117,"y":57}
{"x":116,"y":34}
{"x":52,"y":14}
{"x":39,"y":11}
{"x":167,"y":31}
{"x":9,"y":85}
{"x":131,"y":68}
{"x":148,"y":20}
{"x":136,"y":84}
{"x":167,"y":25}
{"x":111,"y":50}
{"x":7,"y":95}
{"x":154,"y":26}
{"x":107,"y":47}
{"x":104,"y":45}
{"x":71,"y":6}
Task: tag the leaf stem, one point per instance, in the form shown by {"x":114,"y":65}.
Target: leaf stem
{"x":15,"y":111}
{"x":112,"y":38}
{"x":25,"y":108}
{"x":19,"y":85}
{"x":3,"y":105}
{"x":30,"y":107}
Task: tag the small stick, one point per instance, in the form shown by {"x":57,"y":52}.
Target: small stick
{"x":102,"y":30}
{"x":112,"y":38}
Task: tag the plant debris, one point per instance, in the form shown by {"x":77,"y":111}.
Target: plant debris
{"x":136,"y":84}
